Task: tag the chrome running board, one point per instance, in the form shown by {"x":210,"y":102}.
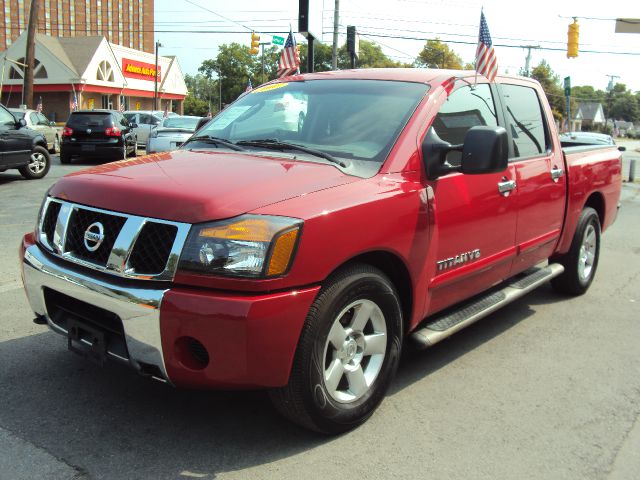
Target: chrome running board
{"x":445,"y":324}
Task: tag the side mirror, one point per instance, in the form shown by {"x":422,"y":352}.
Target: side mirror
{"x":21,"y":123}
{"x":52,"y":123}
{"x":133,"y":125}
{"x":622,"y":149}
{"x":485,"y":150}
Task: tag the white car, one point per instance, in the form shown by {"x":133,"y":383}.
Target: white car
{"x":146,"y":120}
{"x":171,"y":133}
{"x":38,"y":122}
{"x":289,"y":111}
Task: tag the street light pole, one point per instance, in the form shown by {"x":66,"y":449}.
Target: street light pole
{"x":155,"y":83}
{"x":262,"y":44}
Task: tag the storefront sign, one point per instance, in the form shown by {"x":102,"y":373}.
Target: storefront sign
{"x":140,"y":70}
{"x":137,"y":105}
{"x":90,"y":104}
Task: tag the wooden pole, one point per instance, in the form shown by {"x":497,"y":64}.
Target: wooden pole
{"x":27,"y":87}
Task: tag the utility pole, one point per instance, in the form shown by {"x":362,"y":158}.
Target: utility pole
{"x":262,"y":44}
{"x":610,"y":90}
{"x":155,"y":83}
{"x":336,"y":25}
{"x":27,"y":87}
{"x":528,"y":57}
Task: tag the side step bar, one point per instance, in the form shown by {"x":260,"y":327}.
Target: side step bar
{"x":445,"y":324}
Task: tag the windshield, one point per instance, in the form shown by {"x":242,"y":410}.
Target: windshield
{"x":18,"y":113}
{"x":186,"y":123}
{"x":355,"y":120}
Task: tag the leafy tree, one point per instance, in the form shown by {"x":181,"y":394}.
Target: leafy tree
{"x":623,"y":104}
{"x":437,"y":54}
{"x":370,"y":56}
{"x":233,"y":65}
{"x":196,"y":106}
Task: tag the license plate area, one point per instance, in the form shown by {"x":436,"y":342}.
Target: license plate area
{"x":88,"y":148}
{"x":86,"y":340}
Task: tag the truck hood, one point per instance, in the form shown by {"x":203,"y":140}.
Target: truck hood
{"x":196,"y":186}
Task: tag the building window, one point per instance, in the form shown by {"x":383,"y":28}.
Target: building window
{"x":72,"y":17}
{"x":16,"y":72}
{"x":106,"y":102}
{"x":87,"y":17}
{"x":105,"y":72}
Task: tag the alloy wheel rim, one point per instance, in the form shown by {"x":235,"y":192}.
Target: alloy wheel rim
{"x":587,"y":255}
{"x":37,"y":163}
{"x":354,"y":351}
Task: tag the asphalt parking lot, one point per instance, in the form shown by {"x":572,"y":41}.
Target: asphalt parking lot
{"x":547,"y":388}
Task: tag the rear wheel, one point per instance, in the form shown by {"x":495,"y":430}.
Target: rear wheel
{"x":581,"y":261}
{"x":39,"y":164}
{"x":347,"y":354}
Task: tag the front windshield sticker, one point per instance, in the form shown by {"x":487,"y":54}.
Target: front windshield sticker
{"x":266,"y":88}
{"x":228,"y":115}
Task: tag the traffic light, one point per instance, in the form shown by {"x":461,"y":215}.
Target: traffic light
{"x":255,"y":43}
{"x":572,"y":40}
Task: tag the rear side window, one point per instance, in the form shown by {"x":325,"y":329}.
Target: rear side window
{"x":526,"y":121}
{"x":466,"y":107}
{"x":89,"y":120}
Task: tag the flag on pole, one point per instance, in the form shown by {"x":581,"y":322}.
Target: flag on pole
{"x":290,"y":58}
{"x":249,"y":86}
{"x":166,"y":110}
{"x":486,"y":61}
{"x":39,"y":105}
{"x":74,"y":103}
{"x":122,"y":106}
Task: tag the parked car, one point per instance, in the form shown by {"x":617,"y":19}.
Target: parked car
{"x":410,"y":204}
{"x":37,"y":121}
{"x":288,"y":111}
{"x":97,"y":133}
{"x":576,"y":139}
{"x":171,"y":133}
{"x":145,"y":120}
{"x":22,"y":148}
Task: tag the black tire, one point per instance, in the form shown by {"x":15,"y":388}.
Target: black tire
{"x":581,"y":261}
{"x":65,"y":158}
{"x":39,"y":164}
{"x":307,"y":399}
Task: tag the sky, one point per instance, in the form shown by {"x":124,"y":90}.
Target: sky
{"x":540,"y":23}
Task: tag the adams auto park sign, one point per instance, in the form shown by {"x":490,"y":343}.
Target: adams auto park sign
{"x":140,"y":70}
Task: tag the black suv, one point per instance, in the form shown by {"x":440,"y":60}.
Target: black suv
{"x":97,"y":133}
{"x":22,"y":148}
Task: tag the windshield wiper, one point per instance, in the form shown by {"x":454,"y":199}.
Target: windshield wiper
{"x":276,"y":144}
{"x":215,"y":140}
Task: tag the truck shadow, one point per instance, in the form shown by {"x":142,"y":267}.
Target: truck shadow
{"x":111,"y":423}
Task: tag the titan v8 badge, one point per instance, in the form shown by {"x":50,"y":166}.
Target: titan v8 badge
{"x":458,"y":259}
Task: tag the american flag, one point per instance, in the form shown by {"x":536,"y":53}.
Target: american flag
{"x":249,"y":86}
{"x":290,"y":58}
{"x":39,"y":105}
{"x":122,"y":106}
{"x":486,"y":61}
{"x":74,"y":103}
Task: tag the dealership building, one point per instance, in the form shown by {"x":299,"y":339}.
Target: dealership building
{"x":92,"y":73}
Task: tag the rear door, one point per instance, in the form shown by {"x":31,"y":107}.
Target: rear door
{"x":540,"y":174}
{"x":475,"y":214}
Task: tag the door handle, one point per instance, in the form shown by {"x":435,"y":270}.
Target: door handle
{"x":556,"y":173}
{"x":505,"y":186}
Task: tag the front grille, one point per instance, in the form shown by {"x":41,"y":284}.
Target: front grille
{"x":50,"y":219}
{"x":132,"y":246}
{"x":79,"y":221}
{"x":152,"y":249}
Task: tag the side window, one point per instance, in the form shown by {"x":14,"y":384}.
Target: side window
{"x":145,"y":119}
{"x":33,"y":116}
{"x":526,"y":121}
{"x":466,"y":107}
{"x":6,"y":118}
{"x":42,"y":120}
{"x":123,"y":121}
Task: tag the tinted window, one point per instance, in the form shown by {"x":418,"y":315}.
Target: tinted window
{"x":188,"y":123}
{"x":42,"y":120}
{"x":131,"y":117}
{"x":94,"y":120}
{"x":34,"y":118}
{"x":526,"y":121}
{"x":6,"y":118}
{"x":466,"y":107}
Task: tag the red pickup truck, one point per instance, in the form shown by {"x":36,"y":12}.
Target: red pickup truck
{"x":298,"y":239}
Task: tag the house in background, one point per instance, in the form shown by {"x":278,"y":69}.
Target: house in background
{"x":623,"y":128}
{"x":591,"y":115}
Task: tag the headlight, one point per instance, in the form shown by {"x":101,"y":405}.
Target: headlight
{"x":246,"y":246}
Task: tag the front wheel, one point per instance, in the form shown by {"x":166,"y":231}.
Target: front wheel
{"x":347,"y":355}
{"x":581,"y":261}
{"x":39,"y":164}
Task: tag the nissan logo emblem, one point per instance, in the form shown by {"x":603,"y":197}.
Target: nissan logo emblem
{"x":94,"y":236}
{"x":88,"y":130}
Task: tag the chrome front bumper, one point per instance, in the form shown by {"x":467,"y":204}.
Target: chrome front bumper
{"x":137,"y":308}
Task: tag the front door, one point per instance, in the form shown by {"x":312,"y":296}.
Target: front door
{"x":15,"y":143}
{"x":476,"y":214}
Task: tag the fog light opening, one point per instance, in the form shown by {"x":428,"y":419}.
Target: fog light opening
{"x":191,"y":353}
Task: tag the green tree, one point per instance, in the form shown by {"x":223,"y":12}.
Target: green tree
{"x":196,"y":106}
{"x":437,"y":54}
{"x":371,"y":56}
{"x":623,"y":104}
{"x":233,"y":65}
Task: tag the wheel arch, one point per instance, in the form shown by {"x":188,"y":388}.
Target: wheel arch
{"x":394,"y":268}
{"x":596,"y":201}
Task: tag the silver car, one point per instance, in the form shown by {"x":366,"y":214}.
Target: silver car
{"x":172,"y":133}
{"x":38,"y":122}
